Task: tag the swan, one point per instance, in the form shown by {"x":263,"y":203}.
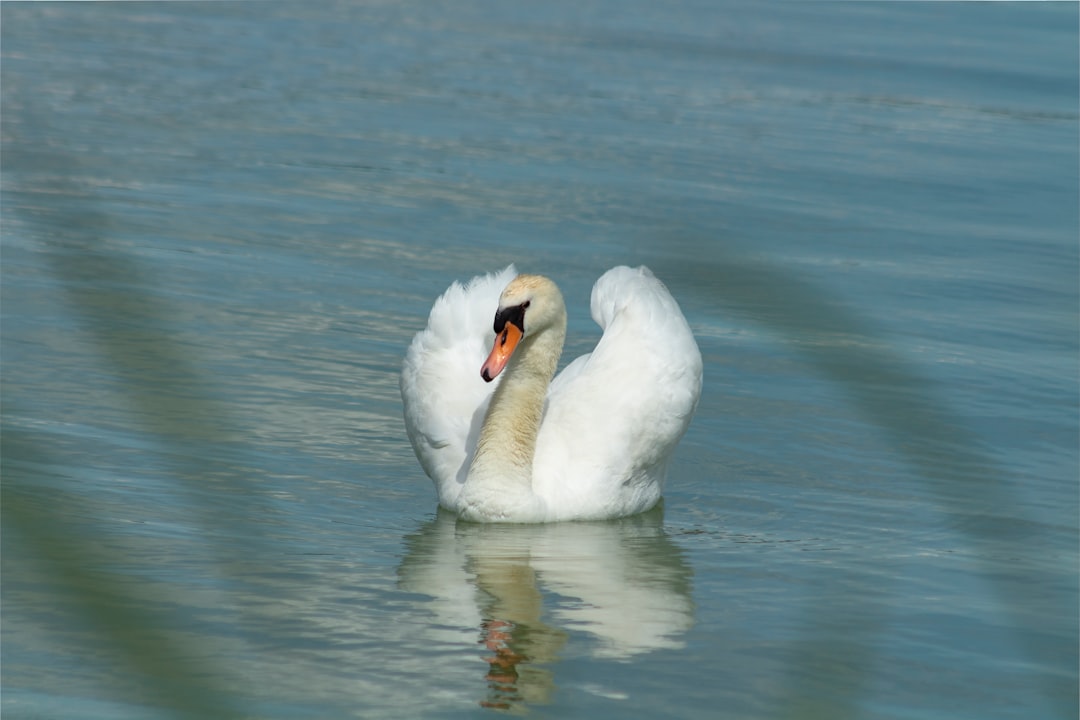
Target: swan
{"x":506,"y":440}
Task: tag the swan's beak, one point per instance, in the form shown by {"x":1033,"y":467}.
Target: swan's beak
{"x":505,"y":343}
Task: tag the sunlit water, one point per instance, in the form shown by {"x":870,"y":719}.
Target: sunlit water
{"x":222,"y":224}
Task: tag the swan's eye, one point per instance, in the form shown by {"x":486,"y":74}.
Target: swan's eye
{"x":515,"y":315}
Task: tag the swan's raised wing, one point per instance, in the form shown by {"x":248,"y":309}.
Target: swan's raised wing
{"x":443,"y":394}
{"x":613,"y":417}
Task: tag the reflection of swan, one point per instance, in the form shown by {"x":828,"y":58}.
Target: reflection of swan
{"x":622,"y":584}
{"x":592,"y":444}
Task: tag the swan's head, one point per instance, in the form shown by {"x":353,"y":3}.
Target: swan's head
{"x":528,"y":306}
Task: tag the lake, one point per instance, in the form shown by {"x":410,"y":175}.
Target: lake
{"x":222,"y":224}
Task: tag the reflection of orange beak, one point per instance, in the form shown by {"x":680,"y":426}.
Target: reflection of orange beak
{"x":505,"y":343}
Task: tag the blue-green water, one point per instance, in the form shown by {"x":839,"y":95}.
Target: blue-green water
{"x":222,"y":223}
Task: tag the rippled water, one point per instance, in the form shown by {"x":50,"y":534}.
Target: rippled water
{"x":223,"y":223}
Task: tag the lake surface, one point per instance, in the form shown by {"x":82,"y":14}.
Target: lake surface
{"x":222,"y":224}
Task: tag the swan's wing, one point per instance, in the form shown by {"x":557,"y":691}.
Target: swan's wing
{"x":443,"y":394}
{"x":613,"y":417}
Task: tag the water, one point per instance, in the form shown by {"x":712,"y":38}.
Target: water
{"x":222,"y":224}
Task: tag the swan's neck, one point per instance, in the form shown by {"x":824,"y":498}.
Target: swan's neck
{"x":499,"y":484}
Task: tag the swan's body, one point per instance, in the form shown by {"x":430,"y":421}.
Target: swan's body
{"x":591,"y":444}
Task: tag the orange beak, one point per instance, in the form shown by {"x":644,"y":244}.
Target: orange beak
{"x":505,"y":344}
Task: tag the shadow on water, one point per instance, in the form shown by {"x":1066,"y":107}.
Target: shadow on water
{"x":975,"y":495}
{"x":624,"y":583}
{"x":107,"y":292}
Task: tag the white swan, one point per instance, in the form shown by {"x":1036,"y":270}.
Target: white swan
{"x":520,"y":447}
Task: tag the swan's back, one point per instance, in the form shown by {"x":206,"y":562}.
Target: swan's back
{"x":614,"y":416}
